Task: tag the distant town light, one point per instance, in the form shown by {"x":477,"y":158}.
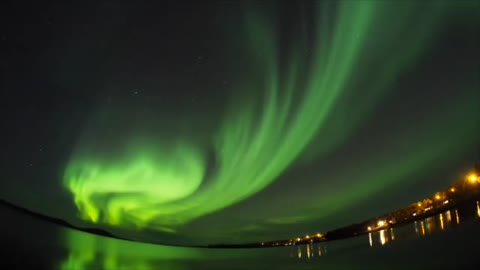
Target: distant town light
{"x":369,"y":228}
{"x":472,"y":178}
{"x":381,"y":223}
{"x":438,"y":197}
{"x":452,"y":189}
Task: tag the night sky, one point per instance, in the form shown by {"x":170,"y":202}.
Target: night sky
{"x":221,"y":121}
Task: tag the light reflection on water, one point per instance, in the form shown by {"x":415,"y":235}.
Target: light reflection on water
{"x":309,"y":251}
{"x":421,"y":228}
{"x":422,"y":225}
{"x":478,"y":210}
{"x":383,"y":239}
{"x":441,"y":221}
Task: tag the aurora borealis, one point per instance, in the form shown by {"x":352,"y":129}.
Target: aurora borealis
{"x":161,"y":183}
{"x":219,"y":123}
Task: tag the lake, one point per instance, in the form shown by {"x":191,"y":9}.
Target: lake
{"x":442,"y":241}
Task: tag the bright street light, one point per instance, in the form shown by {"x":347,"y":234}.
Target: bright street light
{"x":473,"y":177}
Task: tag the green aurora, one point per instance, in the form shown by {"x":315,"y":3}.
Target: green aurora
{"x":162,"y":182}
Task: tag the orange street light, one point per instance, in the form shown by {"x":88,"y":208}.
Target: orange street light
{"x":472,"y":178}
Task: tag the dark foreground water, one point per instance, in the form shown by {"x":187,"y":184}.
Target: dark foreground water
{"x":449,"y":240}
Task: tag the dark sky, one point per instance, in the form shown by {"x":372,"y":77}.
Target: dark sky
{"x":219,"y":121}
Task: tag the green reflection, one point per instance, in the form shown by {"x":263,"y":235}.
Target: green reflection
{"x":88,"y":251}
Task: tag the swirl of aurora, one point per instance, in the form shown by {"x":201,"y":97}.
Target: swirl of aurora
{"x":163,"y":182}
